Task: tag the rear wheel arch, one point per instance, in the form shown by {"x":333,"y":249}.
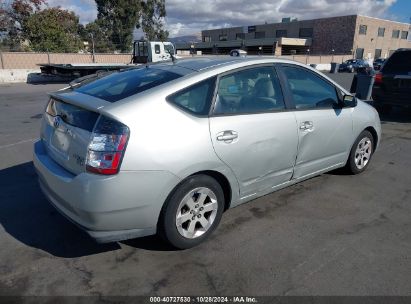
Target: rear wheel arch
{"x":224,"y":183}
{"x":219,"y":177}
{"x":172,"y":218}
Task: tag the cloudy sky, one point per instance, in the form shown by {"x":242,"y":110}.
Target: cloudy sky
{"x":187,"y":17}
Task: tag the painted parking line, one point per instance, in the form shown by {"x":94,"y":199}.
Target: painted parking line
{"x":19,"y":142}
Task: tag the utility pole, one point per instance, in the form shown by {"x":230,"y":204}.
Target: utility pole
{"x":92,"y":43}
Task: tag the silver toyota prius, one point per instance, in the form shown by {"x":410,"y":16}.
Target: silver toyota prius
{"x":167,"y":148}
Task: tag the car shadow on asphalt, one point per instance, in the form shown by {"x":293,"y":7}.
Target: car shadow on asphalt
{"x":151,"y":243}
{"x":28,"y":217}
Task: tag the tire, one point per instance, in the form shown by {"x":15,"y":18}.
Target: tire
{"x":192,"y":212}
{"x":361,"y":153}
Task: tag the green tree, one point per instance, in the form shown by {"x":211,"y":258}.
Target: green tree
{"x":119,"y":18}
{"x":13,"y":17}
{"x":100,"y":34}
{"x":152,"y":20}
{"x":53,"y":29}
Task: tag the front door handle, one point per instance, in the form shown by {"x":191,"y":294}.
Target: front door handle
{"x":227,"y":136}
{"x":306,"y":125}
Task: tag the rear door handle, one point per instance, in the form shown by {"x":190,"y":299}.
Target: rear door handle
{"x":227,"y":136}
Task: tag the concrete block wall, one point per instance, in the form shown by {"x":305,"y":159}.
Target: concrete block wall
{"x":28,"y":60}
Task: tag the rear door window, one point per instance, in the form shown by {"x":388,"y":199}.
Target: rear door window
{"x":248,"y":91}
{"x":126,"y":83}
{"x":398,"y":63}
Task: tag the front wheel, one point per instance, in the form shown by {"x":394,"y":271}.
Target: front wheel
{"x":192,"y":212}
{"x":361,"y":153}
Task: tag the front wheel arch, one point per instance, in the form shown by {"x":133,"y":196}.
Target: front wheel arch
{"x":349,"y":166}
{"x":374,"y":135}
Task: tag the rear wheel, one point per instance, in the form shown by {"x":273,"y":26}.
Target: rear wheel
{"x":361,"y":153}
{"x":192,"y":212}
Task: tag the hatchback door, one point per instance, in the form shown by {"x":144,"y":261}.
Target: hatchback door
{"x":324,"y":128}
{"x":251,"y":131}
{"x":66,"y":132}
{"x":396,"y":77}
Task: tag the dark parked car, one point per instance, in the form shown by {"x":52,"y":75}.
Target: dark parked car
{"x":392,"y":86}
{"x":378,"y":63}
{"x":353,"y":65}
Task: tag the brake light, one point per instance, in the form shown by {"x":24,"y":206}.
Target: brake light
{"x":107,"y":145}
{"x":378,"y":79}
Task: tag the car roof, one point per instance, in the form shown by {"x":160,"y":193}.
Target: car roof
{"x":199,"y":64}
{"x":197,"y":69}
{"x":208,"y":63}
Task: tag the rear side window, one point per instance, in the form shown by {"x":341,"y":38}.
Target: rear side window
{"x":126,"y":83}
{"x":195,"y":99}
{"x":398,"y":63}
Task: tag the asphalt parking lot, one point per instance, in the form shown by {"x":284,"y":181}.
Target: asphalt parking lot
{"x":334,"y":234}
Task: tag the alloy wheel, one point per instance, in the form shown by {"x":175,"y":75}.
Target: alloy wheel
{"x":363,"y":153}
{"x":196,"y":212}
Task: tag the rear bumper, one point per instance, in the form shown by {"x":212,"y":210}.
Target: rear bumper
{"x":381,"y":97}
{"x":108,"y":208}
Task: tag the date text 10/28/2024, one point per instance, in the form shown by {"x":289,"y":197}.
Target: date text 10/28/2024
{"x":200,"y":299}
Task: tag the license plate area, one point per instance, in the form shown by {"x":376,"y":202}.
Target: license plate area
{"x":60,"y":140}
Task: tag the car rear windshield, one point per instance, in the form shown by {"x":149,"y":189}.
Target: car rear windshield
{"x":126,"y":83}
{"x":398,"y":63}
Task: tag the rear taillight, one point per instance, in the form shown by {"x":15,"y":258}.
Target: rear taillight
{"x":107,"y":145}
{"x":378,"y":79}
{"x":51,"y":107}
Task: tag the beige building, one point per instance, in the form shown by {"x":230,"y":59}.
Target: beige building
{"x":360,"y":36}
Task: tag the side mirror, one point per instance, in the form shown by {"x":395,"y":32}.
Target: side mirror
{"x":349,"y":101}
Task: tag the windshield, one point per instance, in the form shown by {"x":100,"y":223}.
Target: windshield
{"x":126,"y":83}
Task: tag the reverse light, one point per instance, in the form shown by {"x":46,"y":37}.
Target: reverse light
{"x":107,"y":145}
